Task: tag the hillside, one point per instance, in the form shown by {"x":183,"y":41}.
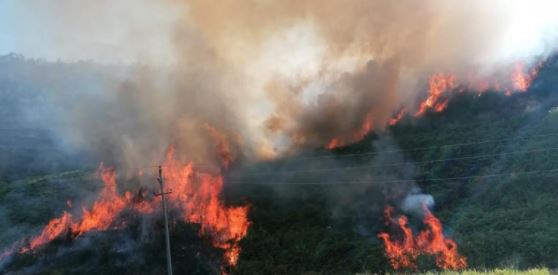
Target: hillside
{"x":488,"y":161}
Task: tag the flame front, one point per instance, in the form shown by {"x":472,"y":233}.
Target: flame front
{"x":438,"y":84}
{"x":432,"y":241}
{"x":521,"y":78}
{"x":196,"y":194}
{"x":403,"y":253}
{"x":100,"y":217}
{"x":395,"y":119}
{"x":365,"y":127}
{"x":53,"y":230}
{"x":107,"y":207}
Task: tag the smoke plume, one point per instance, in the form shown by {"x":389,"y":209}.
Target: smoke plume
{"x":268,"y":76}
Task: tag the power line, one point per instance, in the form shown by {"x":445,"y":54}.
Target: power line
{"x":401,"y":163}
{"x":395,"y":151}
{"x":426,"y":147}
{"x":542,"y":172}
{"x":369,"y":166}
{"x":395,"y":163}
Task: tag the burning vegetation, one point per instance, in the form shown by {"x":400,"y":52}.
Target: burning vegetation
{"x":197,"y":194}
{"x":364,"y":129}
{"x":245,"y":84}
{"x":438,"y":84}
{"x":439,"y":91}
{"x":403,"y":251}
{"x":194,"y":193}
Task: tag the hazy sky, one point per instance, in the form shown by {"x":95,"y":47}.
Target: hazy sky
{"x":106,"y":31}
{"x":7,"y":26}
{"x":125,"y":30}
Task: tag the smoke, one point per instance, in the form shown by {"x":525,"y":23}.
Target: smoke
{"x":257,"y":78}
{"x":356,"y":186}
{"x":270,"y":76}
{"x":414,"y":203}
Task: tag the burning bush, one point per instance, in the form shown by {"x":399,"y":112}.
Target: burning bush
{"x":403,"y":253}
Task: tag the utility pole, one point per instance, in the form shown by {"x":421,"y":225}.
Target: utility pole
{"x":167,"y":237}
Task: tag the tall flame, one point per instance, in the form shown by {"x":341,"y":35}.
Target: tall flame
{"x":521,"y":78}
{"x":53,"y":230}
{"x":402,"y":254}
{"x":432,"y":241}
{"x":107,"y":207}
{"x":195,"y":193}
{"x":100,"y":217}
{"x":438,"y":84}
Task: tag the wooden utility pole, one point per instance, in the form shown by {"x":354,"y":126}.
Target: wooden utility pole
{"x":167,"y":237}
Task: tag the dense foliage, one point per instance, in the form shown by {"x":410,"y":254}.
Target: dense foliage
{"x":476,"y":159}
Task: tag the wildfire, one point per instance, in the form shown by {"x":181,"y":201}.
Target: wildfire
{"x":195,"y":193}
{"x":402,"y":254}
{"x":365,"y":127}
{"x":438,"y":84}
{"x":52,"y":231}
{"x":394,"y":120}
{"x":521,"y":79}
{"x":100,"y":217}
{"x":109,"y":205}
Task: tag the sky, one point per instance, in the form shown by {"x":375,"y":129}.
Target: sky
{"x":122,"y":31}
{"x":132,"y":30}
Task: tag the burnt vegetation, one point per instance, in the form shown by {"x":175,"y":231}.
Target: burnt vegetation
{"x":488,"y":160}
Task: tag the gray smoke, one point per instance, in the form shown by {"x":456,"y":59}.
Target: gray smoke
{"x":273,"y":77}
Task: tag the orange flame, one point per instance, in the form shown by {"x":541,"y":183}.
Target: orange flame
{"x":400,"y":254}
{"x":333,"y":143}
{"x":365,"y":127}
{"x":109,"y":205}
{"x":101,"y":216}
{"x":438,"y":84}
{"x":431,"y":241}
{"x":195,"y":193}
{"x":521,"y":79}
{"x":394,"y":120}
{"x":52,"y":231}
